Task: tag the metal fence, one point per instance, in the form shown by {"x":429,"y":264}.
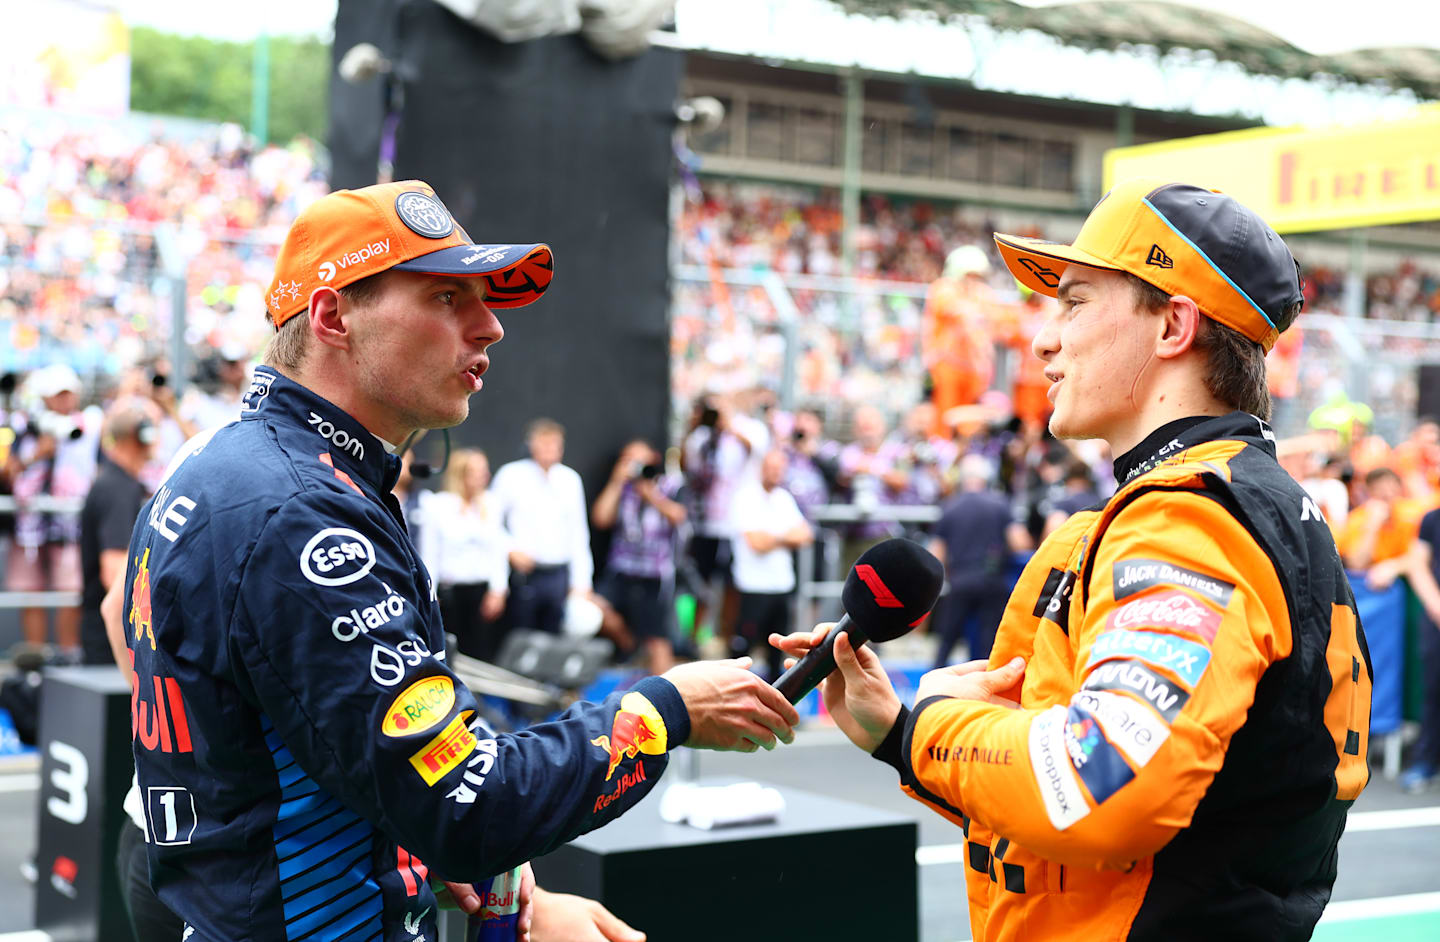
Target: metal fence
{"x":831,"y":343}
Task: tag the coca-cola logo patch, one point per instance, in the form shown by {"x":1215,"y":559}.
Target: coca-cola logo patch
{"x":1171,"y":609}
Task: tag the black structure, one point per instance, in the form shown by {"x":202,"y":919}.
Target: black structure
{"x":84,"y":774}
{"x":755,"y":882}
{"x":539,"y":141}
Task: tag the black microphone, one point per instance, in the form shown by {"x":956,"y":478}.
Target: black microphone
{"x":893,"y":585}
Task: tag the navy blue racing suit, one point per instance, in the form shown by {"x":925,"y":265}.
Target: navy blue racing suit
{"x":305,"y":756}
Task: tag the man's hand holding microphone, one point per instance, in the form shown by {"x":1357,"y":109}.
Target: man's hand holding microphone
{"x":892,"y":587}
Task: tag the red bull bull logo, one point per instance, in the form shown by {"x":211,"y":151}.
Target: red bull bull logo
{"x":140,"y":618}
{"x":637,"y":729}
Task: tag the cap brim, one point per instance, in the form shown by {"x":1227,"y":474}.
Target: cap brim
{"x":1038,"y":264}
{"x":517,"y":274}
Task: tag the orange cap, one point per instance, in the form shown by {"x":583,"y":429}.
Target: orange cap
{"x":1183,"y":240}
{"x":352,"y":234}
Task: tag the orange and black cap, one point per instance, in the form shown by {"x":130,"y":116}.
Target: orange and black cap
{"x":1182,"y":239}
{"x":351,"y":234}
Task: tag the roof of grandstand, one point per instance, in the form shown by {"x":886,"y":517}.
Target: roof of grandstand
{"x":1108,"y":24}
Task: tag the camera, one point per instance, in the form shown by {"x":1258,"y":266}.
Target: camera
{"x":159,"y":380}
{"x":58,"y":426}
{"x":650,"y":472}
{"x":710,"y":416}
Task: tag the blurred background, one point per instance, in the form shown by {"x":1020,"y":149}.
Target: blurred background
{"x":772,"y":226}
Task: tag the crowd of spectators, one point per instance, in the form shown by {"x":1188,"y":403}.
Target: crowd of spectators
{"x":94,"y":219}
{"x":97,"y":220}
{"x":863,"y":340}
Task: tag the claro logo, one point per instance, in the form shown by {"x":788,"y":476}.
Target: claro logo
{"x":337,"y":556}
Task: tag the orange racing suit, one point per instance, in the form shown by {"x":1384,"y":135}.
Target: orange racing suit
{"x":1194,"y":715}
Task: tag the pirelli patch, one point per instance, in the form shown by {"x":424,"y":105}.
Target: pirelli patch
{"x":1137,"y":575}
{"x":446,"y":751}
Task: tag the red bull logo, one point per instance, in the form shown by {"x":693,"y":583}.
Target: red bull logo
{"x":637,"y":729}
{"x":140,"y":617}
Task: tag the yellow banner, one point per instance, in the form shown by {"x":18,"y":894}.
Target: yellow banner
{"x":1302,"y":179}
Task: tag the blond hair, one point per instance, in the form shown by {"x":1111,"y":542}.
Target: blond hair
{"x":460,"y":460}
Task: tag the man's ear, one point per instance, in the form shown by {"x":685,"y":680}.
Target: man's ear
{"x":327,"y":321}
{"x":1180,"y":323}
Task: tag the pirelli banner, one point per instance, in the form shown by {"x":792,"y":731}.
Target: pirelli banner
{"x":1302,"y":180}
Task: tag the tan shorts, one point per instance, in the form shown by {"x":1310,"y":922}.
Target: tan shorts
{"x":54,"y":567}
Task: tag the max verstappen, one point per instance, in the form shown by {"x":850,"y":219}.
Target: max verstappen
{"x":305,"y":757}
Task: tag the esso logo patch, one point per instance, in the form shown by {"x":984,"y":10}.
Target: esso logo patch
{"x":337,"y":556}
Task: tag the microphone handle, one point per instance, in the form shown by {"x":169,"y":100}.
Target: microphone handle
{"x":814,"y":667}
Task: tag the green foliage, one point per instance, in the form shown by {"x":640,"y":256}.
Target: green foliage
{"x":196,"y":77}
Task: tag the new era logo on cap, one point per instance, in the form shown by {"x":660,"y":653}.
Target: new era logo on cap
{"x":1158,"y":258}
{"x":1218,"y":253}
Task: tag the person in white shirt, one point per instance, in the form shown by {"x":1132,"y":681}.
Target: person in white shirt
{"x":542,"y":503}
{"x":719,"y":455}
{"x":465,"y":548}
{"x":768,"y":529}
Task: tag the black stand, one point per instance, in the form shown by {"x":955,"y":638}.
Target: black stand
{"x":828,"y":869}
{"x":85,"y":772}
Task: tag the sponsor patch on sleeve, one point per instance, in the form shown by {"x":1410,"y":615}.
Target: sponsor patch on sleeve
{"x":1136,"y":575}
{"x":1061,"y":794}
{"x":1163,"y":695}
{"x":1054,"y":601}
{"x":637,"y":728}
{"x":1169,"y":609}
{"x":446,"y":751}
{"x":1187,"y":660}
{"x":1101,"y":766}
{"x":1133,"y":729}
{"x":419,"y":707}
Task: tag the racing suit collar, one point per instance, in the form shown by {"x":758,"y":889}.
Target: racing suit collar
{"x":1174,"y":437}
{"x":352,"y":448}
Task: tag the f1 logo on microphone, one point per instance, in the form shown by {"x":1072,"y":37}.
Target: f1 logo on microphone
{"x":883,"y":596}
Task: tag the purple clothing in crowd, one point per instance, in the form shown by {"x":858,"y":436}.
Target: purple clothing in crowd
{"x":644,"y":541}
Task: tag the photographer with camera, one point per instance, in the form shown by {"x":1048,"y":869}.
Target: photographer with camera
{"x":54,"y":455}
{"x":645,"y":507}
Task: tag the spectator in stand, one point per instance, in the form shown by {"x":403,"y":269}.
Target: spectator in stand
{"x":1423,"y":570}
{"x":465,"y":548}
{"x":813,"y":463}
{"x":214,"y":399}
{"x":716,"y":458}
{"x":868,"y":471}
{"x":1417,"y":459}
{"x":56,"y":457}
{"x":768,"y":529}
{"x":1080,"y":493}
{"x":924,"y":456}
{"x":1329,"y":484}
{"x":1379,"y":533}
{"x":645,"y":507}
{"x":542,"y":503}
{"x":975,"y":539}
{"x":108,"y":516}
{"x":957,"y":341}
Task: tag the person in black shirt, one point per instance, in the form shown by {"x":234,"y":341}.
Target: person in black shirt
{"x":974,"y":538}
{"x":111,"y":506}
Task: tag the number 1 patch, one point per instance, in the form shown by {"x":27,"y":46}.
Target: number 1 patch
{"x":171,"y":812}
